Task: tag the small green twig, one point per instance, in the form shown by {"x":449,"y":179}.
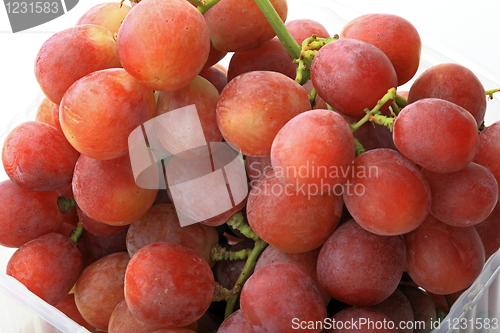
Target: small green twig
{"x":395,"y":108}
{"x":204,"y":5}
{"x":382,"y":120}
{"x":65,"y":204}
{"x":401,"y":101}
{"x":237,"y":221}
{"x":286,"y":38}
{"x":390,"y":95}
{"x":219,"y":253}
{"x":490,"y":93}
{"x":259,"y":246}
{"x":223,"y":294}
{"x":76,"y":234}
{"x":312,"y":97}
{"x":359,"y":147}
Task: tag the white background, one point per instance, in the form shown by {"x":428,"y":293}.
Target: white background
{"x":465,"y":31}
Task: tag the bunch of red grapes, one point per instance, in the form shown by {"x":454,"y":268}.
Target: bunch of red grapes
{"x":363,"y":201}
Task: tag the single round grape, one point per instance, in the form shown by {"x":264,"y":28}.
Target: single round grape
{"x":243,"y":29}
{"x":305,"y":260}
{"x":268,"y":304}
{"x":290,"y":220}
{"x":352,"y":75}
{"x":123,"y":321}
{"x":386,"y":193}
{"x":72,"y":53}
{"x":358,"y":267}
{"x":489,"y":231}
{"x":147,"y":35}
{"x":235,"y":323}
{"x":443,"y":259}
{"x":48,"y":266}
{"x":36,"y":156}
{"x":168,"y":284}
{"x":108,"y":15}
{"x":26,"y":214}
{"x":301,"y":29}
{"x":100,"y":288}
{"x":454,"y":83}
{"x":424,"y":309}
{"x":99,"y":111}
{"x":270,"y":56}
{"x":487,"y":149}
{"x":106,"y":191}
{"x":464,"y":197}
{"x":48,"y":112}
{"x":68,"y":307}
{"x":436,"y":134}
{"x":161,"y":224}
{"x":253,"y":107}
{"x":398,"y":309}
{"x":313,"y":152}
{"x":376,"y":321}
{"x":393,"y":35}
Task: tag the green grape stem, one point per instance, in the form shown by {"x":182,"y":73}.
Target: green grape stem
{"x":401,"y":101}
{"x":286,"y":38}
{"x":259,"y":246}
{"x":220,"y":253}
{"x":370,"y":114}
{"x":204,"y":5}
{"x":490,"y":93}
{"x":237,"y":221}
{"x":65,"y":204}
{"x":359,"y":147}
{"x":76,"y":234}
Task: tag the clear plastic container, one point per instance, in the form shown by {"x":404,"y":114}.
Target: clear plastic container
{"x":23,"y":312}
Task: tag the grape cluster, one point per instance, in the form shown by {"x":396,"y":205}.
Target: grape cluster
{"x":364,"y":202}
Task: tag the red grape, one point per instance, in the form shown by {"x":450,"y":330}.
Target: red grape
{"x":291,"y":220}
{"x":305,"y":260}
{"x":253,"y":107}
{"x":204,"y":96}
{"x":488,"y":148}
{"x":386,"y":193}
{"x":235,"y":323}
{"x":48,"y":113}
{"x":464,"y":197}
{"x":269,"y":305}
{"x":161,"y":224}
{"x":48,"y":266}
{"x":392,"y":34}
{"x":443,"y":259}
{"x":445,"y":144}
{"x":27,"y":214}
{"x":147,"y":35}
{"x":123,"y":321}
{"x":100,"y":288}
{"x":361,"y":320}
{"x":454,"y":83}
{"x":68,"y":307}
{"x":399,"y":310}
{"x":314,"y":150}
{"x":108,"y":15}
{"x":489,"y":231}
{"x":36,"y":156}
{"x":304,"y":28}
{"x":99,"y":111}
{"x":424,"y":309}
{"x":106,"y":191}
{"x":72,"y":53}
{"x":216,"y":76}
{"x":168,"y":284}
{"x":352,"y":75}
{"x":358,"y":267}
{"x":270,"y":56}
{"x":243,"y":29}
